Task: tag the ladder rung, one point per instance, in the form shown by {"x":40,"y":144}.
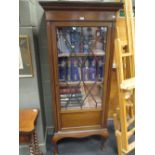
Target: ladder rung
{"x":131,"y":132}
{"x":130,"y":148}
{"x":128,"y":84}
{"x":130,"y":121}
{"x":126,"y":54}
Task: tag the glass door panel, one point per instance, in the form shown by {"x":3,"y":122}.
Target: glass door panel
{"x":81,"y":59}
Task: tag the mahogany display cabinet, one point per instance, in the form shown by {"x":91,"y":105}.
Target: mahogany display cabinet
{"x":81,"y":45}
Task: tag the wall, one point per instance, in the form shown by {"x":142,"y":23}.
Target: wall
{"x":29,"y":88}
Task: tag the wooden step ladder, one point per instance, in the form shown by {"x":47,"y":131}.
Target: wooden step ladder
{"x":124,"y":117}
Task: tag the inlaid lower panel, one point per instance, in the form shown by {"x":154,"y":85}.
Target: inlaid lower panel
{"x":80,"y":119}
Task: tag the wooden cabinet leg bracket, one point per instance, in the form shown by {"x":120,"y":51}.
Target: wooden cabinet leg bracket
{"x":77,"y":134}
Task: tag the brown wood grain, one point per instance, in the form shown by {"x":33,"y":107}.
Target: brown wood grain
{"x":79,"y":123}
{"x":74,"y":15}
{"x":113,"y":101}
{"x":81,"y":119}
{"x":24,"y":138}
{"x":108,"y":64}
{"x":80,"y":134}
{"x":27,"y":118}
{"x":78,"y":6}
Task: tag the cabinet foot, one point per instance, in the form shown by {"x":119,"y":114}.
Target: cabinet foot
{"x":104,"y":142}
{"x":55,"y":145}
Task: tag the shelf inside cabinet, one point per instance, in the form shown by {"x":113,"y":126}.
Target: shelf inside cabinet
{"x":80,"y":54}
{"x":74,"y":110}
{"x":63,"y":110}
{"x":80,"y":83}
{"x":78,"y":108}
{"x":81,"y":96}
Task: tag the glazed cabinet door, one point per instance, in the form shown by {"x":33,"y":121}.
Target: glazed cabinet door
{"x":80,"y":57}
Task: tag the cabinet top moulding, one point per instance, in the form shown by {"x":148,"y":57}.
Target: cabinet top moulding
{"x":81,"y":5}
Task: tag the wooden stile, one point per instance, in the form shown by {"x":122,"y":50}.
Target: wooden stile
{"x":124,"y":58}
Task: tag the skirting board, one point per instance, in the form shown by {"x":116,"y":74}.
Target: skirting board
{"x":49,"y":131}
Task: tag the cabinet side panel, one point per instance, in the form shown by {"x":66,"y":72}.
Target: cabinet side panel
{"x":52,"y":72}
{"x":108,"y":70}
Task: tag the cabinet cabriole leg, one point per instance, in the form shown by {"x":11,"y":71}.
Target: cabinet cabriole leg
{"x":104,"y":141}
{"x":55,"y":145}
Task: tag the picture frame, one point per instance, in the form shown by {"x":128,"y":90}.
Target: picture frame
{"x":25,"y":59}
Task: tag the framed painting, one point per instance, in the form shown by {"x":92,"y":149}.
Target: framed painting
{"x":25,"y":60}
